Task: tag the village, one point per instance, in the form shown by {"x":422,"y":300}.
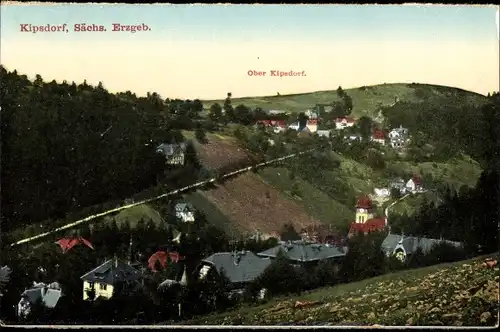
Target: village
{"x":315,"y":244}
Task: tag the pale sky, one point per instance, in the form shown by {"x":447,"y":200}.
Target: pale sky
{"x":205,"y":51}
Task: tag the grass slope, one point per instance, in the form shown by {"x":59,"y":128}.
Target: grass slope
{"x":134,"y":214}
{"x":365,"y":99}
{"x":318,"y":204}
{"x":460,"y":293}
{"x":456,"y":172}
{"x":220,"y":150}
{"x":255,"y":206}
{"x":213,"y":214}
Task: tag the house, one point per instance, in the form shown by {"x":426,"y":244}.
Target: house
{"x":47,"y":295}
{"x":414,"y":184}
{"x":304,"y":253}
{"x":402,"y":247}
{"x":185,"y":212}
{"x":5,"y":273}
{"x":378,"y":136}
{"x":312,"y":125}
{"x":174,"y":153}
{"x":240,"y":268}
{"x":271,"y":123}
{"x":344,"y":122}
{"x":324,"y":133}
{"x":382,"y":192}
{"x":328,"y":108}
{"x":311,"y":114}
{"x":277,"y":112}
{"x":110,"y":277}
{"x":399,"y":184}
{"x":353,"y":138}
{"x":365,"y":220}
{"x":398,"y":137}
{"x":324,"y":234}
{"x":294,"y":126}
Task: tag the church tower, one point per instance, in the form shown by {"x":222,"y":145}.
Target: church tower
{"x":364,"y":210}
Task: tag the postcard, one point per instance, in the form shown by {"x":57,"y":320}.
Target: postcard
{"x":251,"y":165}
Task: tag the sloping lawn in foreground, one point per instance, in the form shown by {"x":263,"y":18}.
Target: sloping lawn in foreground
{"x":458,"y":294}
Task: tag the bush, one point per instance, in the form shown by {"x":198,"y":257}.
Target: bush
{"x":200,"y":135}
{"x":375,"y":160}
{"x":280,"y":278}
{"x":325,"y":274}
{"x":395,"y":193}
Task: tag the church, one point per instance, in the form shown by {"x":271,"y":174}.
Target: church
{"x":365,"y":218}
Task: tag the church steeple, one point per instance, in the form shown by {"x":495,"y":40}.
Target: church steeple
{"x":364,"y":209}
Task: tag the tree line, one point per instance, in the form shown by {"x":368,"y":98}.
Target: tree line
{"x":63,"y":143}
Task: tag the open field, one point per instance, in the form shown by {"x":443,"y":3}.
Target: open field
{"x":456,"y":172}
{"x":220,"y":151}
{"x":135,"y":214}
{"x":366,"y":100}
{"x":252,"y":205}
{"x":453,"y":294}
{"x":318,"y":204}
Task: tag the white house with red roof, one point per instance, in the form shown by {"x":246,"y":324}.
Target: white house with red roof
{"x":414,"y":184}
{"x":344,"y":122}
{"x":378,"y":136}
{"x":365,"y":219}
{"x":312,"y":125}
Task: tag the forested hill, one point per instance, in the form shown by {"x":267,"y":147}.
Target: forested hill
{"x":66,"y":146}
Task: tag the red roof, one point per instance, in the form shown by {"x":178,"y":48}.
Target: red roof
{"x":161,"y":256}
{"x":378,"y":134}
{"x":364,"y":203}
{"x":371,"y":225}
{"x":417,"y":180}
{"x":279,"y":123}
{"x":312,"y":122}
{"x":346,"y":119}
{"x":68,"y":243}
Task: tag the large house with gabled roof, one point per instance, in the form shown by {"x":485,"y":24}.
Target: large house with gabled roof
{"x":402,"y":247}
{"x":109,"y":277}
{"x":174,"y":153}
{"x":306,"y":253}
{"x":241,"y":268}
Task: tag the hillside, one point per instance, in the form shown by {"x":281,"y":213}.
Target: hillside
{"x":454,"y":294}
{"x":366,"y":100}
{"x":255,"y":206}
{"x":220,"y":151}
{"x":248,"y":203}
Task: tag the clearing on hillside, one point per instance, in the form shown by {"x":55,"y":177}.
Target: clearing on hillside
{"x":317,"y":203}
{"x":219,"y":152}
{"x":254,"y":206}
{"x":134,"y":214}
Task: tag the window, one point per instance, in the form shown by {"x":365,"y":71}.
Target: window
{"x":102,"y":286}
{"x":91,"y":285}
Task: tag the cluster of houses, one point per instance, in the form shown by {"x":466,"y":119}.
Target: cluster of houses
{"x":412,"y":186}
{"x":397,"y":138}
{"x":240,"y":268}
